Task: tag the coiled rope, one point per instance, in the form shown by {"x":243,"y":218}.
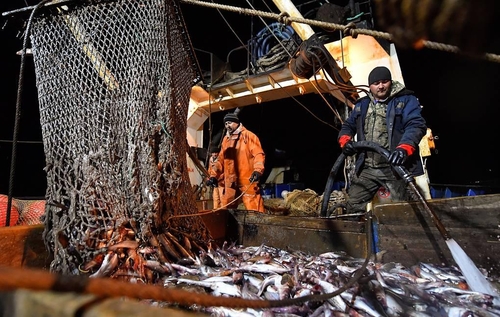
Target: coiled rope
{"x":267,"y":37}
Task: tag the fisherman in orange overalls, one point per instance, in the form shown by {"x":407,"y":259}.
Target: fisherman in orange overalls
{"x":241,"y":161}
{"x":218,"y":188}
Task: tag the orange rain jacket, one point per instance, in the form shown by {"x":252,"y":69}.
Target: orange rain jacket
{"x":241,"y":154}
{"x":219,"y":189}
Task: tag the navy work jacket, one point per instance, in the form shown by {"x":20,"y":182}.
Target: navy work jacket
{"x":405,"y":125}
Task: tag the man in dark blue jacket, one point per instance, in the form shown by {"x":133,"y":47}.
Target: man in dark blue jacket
{"x":390,"y":115}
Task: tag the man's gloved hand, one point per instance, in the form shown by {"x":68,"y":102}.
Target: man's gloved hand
{"x":398,"y":157}
{"x":349,"y":149}
{"x":255,"y":177}
{"x":212,"y":181}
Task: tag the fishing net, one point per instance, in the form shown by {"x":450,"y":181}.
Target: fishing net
{"x":303,"y":202}
{"x":276,"y":206}
{"x":114,"y":80}
{"x":336,"y":202}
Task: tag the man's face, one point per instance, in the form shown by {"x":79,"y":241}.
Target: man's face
{"x":381,"y":89}
{"x":231,"y":126}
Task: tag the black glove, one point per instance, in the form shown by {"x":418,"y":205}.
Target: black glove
{"x":212,"y":181}
{"x":398,"y":157}
{"x":349,"y":149}
{"x":255,"y":177}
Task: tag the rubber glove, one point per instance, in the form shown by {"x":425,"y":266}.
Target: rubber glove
{"x":348,"y":149}
{"x":212,"y":181}
{"x":398,"y":157}
{"x":255,"y":177}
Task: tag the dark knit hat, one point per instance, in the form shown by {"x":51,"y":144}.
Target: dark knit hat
{"x":231,"y":117}
{"x":379,"y":73}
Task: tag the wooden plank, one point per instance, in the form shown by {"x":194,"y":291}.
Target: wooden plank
{"x":453,"y":212}
{"x":408,"y":235}
{"x":298,"y":222}
{"x":410,"y":245}
{"x":308,"y":234}
{"x":23,"y":246}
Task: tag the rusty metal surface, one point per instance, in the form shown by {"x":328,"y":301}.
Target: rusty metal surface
{"x":216,"y":222}
{"x":409,"y":236}
{"x":23,"y":246}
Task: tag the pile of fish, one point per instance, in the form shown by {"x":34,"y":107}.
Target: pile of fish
{"x":269,"y":273}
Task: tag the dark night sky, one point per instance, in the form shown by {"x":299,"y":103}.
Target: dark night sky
{"x":459,"y":95}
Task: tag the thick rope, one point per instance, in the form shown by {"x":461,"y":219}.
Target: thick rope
{"x":12,"y":278}
{"x":41,"y":280}
{"x":349,"y":29}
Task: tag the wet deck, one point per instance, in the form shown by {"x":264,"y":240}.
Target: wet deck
{"x":404,"y":233}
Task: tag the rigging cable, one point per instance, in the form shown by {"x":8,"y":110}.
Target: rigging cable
{"x":350,"y":29}
{"x":228,"y":25}
{"x":281,"y":32}
{"x":18,"y":111}
{"x":278,"y":28}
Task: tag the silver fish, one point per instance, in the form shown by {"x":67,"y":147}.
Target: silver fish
{"x":270,"y":280}
{"x":109,"y":263}
{"x":360,"y":303}
{"x":226,"y":279}
{"x":454,"y":311}
{"x":442,"y":274}
{"x":263,"y":268}
{"x":248,"y":291}
{"x":184,"y":269}
{"x":271,"y":293}
{"x":218,"y":288}
{"x":337,"y":300}
{"x":393,"y":308}
{"x":254,"y":279}
{"x":331,"y":255}
{"x":228,"y":312}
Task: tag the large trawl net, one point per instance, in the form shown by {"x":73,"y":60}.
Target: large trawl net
{"x":114,"y":80}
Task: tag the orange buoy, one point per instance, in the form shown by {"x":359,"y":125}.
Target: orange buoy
{"x":31,"y":212}
{"x":14,"y":211}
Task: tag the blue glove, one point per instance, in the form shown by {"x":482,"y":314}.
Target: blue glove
{"x":212,"y":181}
{"x":255,"y":177}
{"x":398,"y":157}
{"x":349,"y":149}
